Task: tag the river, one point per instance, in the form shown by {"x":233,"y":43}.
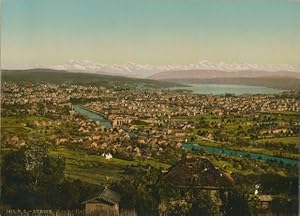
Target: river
{"x":93,"y":116}
{"x":257,"y":156}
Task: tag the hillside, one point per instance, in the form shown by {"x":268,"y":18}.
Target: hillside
{"x":60,"y":76}
{"x":280,"y":79}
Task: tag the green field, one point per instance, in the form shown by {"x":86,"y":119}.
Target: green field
{"x":96,"y":169}
{"x":29,"y":127}
{"x":245,"y":166}
{"x":284,"y":140}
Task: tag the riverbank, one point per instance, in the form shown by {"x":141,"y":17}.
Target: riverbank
{"x":221,"y":89}
{"x":252,"y":155}
{"x":258,"y":149}
{"x":93,"y":111}
{"x":91,"y":114}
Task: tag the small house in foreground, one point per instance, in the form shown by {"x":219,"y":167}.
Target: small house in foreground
{"x":265,"y":201}
{"x":106,"y":203}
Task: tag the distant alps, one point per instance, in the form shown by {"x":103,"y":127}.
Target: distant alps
{"x":135,"y":70}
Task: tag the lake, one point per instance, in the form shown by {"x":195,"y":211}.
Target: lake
{"x":93,"y":116}
{"x":218,"y":89}
{"x":256,"y":156}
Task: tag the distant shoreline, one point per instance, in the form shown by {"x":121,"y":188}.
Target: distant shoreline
{"x":221,"y":89}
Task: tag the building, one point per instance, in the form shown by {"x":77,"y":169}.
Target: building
{"x":198,"y":173}
{"x":265,"y":201}
{"x":106,"y":203}
{"x":119,"y":120}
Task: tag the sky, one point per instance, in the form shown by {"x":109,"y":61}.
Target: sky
{"x":156,"y":32}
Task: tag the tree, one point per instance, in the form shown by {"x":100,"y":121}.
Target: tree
{"x":202,"y":123}
{"x":284,"y":206}
{"x":202,"y":133}
{"x":139,"y":191}
{"x":235,"y":203}
{"x":16,"y":181}
{"x":189,"y":201}
{"x":30,"y":177}
{"x":149,"y":194}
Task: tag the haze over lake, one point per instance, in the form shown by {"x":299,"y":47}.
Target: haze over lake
{"x":218,"y":89}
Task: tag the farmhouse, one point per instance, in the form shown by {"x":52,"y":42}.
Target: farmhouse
{"x":106,"y":203}
{"x":196,"y":172}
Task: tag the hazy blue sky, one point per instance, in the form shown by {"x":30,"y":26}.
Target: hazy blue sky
{"x":150,"y":31}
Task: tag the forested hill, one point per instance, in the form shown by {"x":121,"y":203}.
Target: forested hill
{"x":60,"y":76}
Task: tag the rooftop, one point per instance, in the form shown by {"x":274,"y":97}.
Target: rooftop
{"x":196,"y":171}
{"x":106,"y":195}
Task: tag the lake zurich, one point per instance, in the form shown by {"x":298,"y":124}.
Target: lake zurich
{"x":218,"y":89}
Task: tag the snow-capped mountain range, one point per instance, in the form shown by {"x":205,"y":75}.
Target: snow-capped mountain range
{"x":146,"y":70}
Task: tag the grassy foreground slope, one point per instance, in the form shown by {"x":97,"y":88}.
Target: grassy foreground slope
{"x":93,"y":168}
{"x":96,"y":169}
